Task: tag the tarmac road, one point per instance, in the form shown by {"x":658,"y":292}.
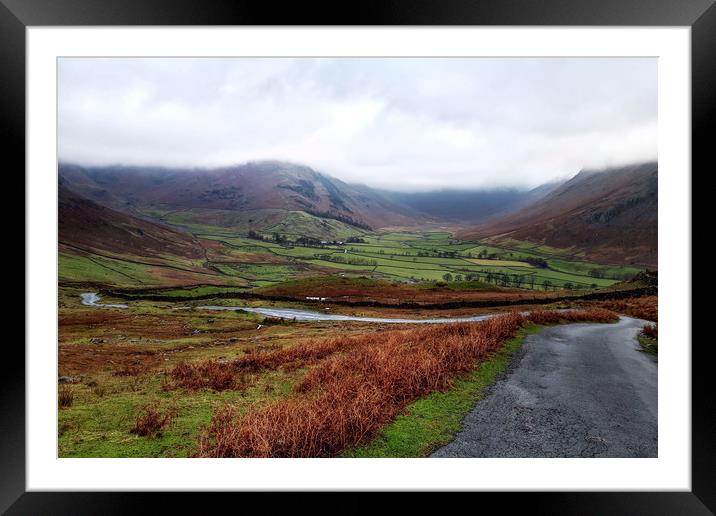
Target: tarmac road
{"x":578,"y":390}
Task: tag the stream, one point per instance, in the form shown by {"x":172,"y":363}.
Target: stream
{"x":295,"y":314}
{"x":92,"y":299}
{"x":311,"y":315}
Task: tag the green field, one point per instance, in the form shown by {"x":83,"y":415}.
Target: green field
{"x":290,"y":223}
{"x":280,"y":256}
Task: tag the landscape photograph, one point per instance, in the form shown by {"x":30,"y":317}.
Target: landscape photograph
{"x":357,"y":257}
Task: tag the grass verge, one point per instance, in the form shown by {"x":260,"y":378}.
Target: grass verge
{"x":434,"y":420}
{"x":649,"y":339}
{"x":649,"y":345}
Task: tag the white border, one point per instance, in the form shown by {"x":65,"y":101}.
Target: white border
{"x":672,"y":468}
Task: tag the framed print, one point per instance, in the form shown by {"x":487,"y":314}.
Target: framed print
{"x":415,"y":250}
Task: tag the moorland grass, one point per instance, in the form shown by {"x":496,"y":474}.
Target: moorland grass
{"x":101,"y":426}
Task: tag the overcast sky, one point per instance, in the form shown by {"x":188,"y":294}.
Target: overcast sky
{"x":410,"y":124}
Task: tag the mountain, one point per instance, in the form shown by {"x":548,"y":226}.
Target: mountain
{"x":86,"y":226}
{"x":471,"y":206}
{"x":611,"y":215}
{"x":271,"y":191}
{"x":251,"y":186}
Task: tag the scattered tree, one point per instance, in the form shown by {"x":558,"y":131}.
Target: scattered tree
{"x":536,"y":262}
{"x":532,"y":280}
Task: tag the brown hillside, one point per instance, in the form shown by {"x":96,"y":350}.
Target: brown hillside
{"x":87,"y":225}
{"x":612,"y":215}
{"x":251,"y":186}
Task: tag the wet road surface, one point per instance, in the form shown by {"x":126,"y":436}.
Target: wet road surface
{"x":577,"y":390}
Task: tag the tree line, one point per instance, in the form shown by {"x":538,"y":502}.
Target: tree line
{"x":512,"y":280}
{"x":347,"y":259}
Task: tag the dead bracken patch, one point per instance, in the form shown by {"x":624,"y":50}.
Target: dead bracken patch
{"x":308,"y":351}
{"x":350,"y":290}
{"x":65,"y":396}
{"x":646,"y":307}
{"x":555,"y":317}
{"x":221,"y":376}
{"x":151,"y":420}
{"x":210,"y":374}
{"x":650,"y":330}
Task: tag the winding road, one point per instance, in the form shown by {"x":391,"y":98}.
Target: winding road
{"x":577,"y":390}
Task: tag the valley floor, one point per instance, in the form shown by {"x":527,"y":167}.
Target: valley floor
{"x":232,"y":260}
{"x":124,"y":370}
{"x":154,"y":367}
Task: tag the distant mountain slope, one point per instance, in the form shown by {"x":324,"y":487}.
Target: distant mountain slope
{"x":612,"y":215}
{"x":88,"y":226}
{"x":252,"y":186}
{"x":471,"y":206}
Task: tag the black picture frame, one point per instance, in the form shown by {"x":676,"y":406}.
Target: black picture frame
{"x":17,"y":15}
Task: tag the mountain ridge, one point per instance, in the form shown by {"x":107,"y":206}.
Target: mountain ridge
{"x":276,"y":184}
{"x":610,"y":214}
{"x":250,"y":186}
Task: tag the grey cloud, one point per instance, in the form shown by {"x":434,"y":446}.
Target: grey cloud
{"x":409,"y":123}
